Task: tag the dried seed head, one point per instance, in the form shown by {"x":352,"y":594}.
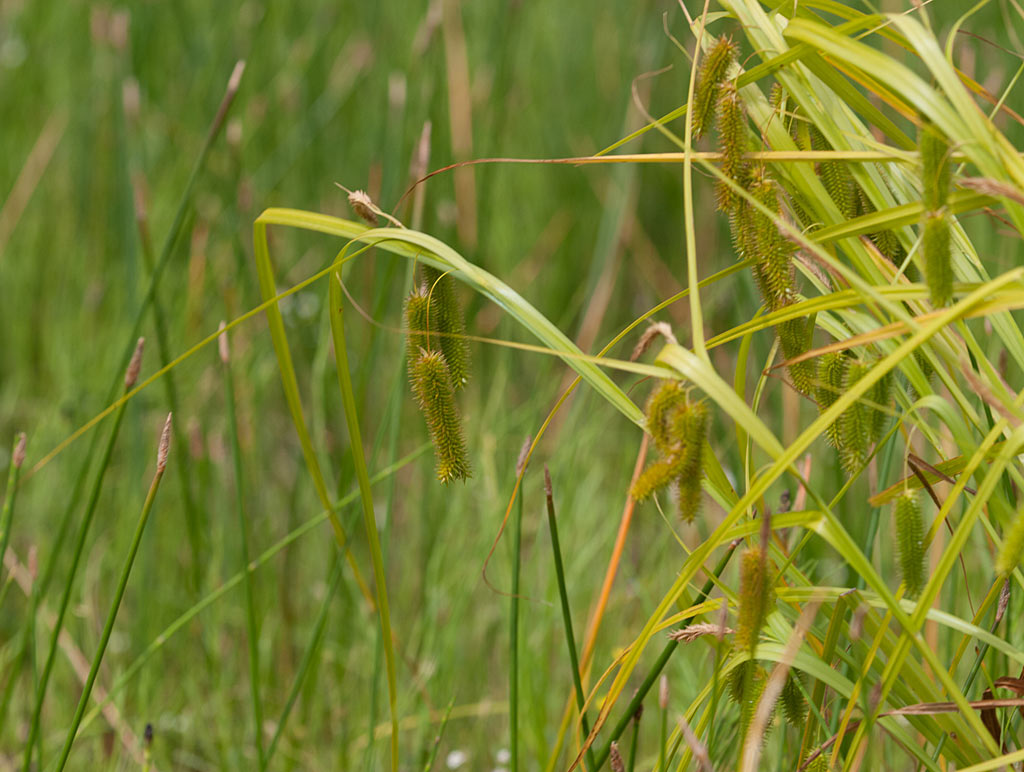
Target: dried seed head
{"x":432,"y":386}
{"x":938,"y":266}
{"x":663,"y":692}
{"x":756,"y":597}
{"x":909,"y":525}
{"x":164,"y":447}
{"x":363,"y":206}
{"x":447,"y":319}
{"x":652,"y":332}
{"x":524,"y":453}
{"x":131,"y":375}
{"x":222,"y":343}
{"x":692,"y":632}
{"x":712,"y":72}
{"x":615,"y":758}
{"x":18,"y":458}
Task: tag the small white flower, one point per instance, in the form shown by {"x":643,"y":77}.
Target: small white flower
{"x":456,"y":759}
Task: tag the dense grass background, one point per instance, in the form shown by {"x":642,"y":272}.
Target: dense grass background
{"x":103,"y":104}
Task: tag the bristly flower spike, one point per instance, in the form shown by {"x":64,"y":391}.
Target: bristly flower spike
{"x":446,"y":318}
{"x":431,"y":383}
{"x":712,"y":72}
{"x":909,"y":526}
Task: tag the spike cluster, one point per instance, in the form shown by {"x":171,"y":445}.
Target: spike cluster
{"x":864,"y":422}
{"x":756,"y":236}
{"x":438,"y":359}
{"x":935,"y":240}
{"x":909,"y":525}
{"x":679,"y":429}
{"x":712,"y":72}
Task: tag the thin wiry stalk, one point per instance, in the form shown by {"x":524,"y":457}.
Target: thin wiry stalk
{"x":7,"y":513}
{"x":122,"y":584}
{"x":563,"y":594}
{"x":76,"y":557}
{"x":252,"y":631}
{"x":513,"y":624}
{"x":370,"y":521}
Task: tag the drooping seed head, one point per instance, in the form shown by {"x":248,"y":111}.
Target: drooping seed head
{"x":855,"y":424}
{"x":755,"y":598}
{"x":1013,"y":546}
{"x":713,"y":70}
{"x":794,"y":706}
{"x":938,"y":265}
{"x":432,"y":386}
{"x":909,"y":525}
{"x":732,"y":141}
{"x":417,"y":323}
{"x":831,"y":377}
{"x":447,"y":319}
{"x":936,"y":171}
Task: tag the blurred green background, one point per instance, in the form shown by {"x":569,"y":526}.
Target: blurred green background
{"x":104,"y":109}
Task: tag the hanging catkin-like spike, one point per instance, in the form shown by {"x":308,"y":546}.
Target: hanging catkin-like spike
{"x":661,"y":405}
{"x":732,"y":142}
{"x":855,"y":424}
{"x":836,"y":177}
{"x":831,"y":377}
{"x":1013,"y":546}
{"x":774,"y":252}
{"x":880,"y":395}
{"x":710,"y":76}
{"x":431,"y":383}
{"x":755,"y":598}
{"x":446,"y":318}
{"x":938,"y":268}
{"x":655,"y":477}
{"x":417,"y":323}
{"x":794,"y":706}
{"x":793,"y":337}
{"x":746,"y":685}
{"x":692,"y":429}
{"x":910,"y":542}
{"x":936,"y":172}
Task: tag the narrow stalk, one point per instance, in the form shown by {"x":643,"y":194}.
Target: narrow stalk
{"x":663,"y":710}
{"x":563,"y":595}
{"x":250,"y":608}
{"x":513,"y":623}
{"x":7,"y":514}
{"x":307,"y":658}
{"x":359,"y":460}
{"x":108,"y":628}
{"x":631,"y":765}
{"x":659,"y":664}
{"x":131,"y":376}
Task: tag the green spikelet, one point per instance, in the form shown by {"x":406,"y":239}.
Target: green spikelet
{"x":793,"y":337}
{"x":712,"y":72}
{"x":794,"y":706}
{"x":746,"y":685}
{"x":936,"y":172}
{"x":938,"y":267}
{"x":773,"y":251}
{"x":431,"y":383}
{"x":655,"y":477}
{"x":691,"y":428}
{"x":446,"y":318}
{"x":820,"y":763}
{"x":836,"y":178}
{"x":661,"y":406}
{"x":910,"y":542}
{"x":417,"y":321}
{"x":732,"y":141}
{"x":756,"y":596}
{"x":831,"y":377}
{"x":854,"y":424}
{"x":1013,"y":546}
{"x":880,"y":395}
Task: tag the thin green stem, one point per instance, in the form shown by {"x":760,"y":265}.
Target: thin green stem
{"x":76,"y":557}
{"x":563,"y":595}
{"x":631,"y":764}
{"x":513,"y":625}
{"x":7,"y":514}
{"x":659,"y":664}
{"x":359,"y":460}
{"x":122,"y":584}
{"x":252,"y":632}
